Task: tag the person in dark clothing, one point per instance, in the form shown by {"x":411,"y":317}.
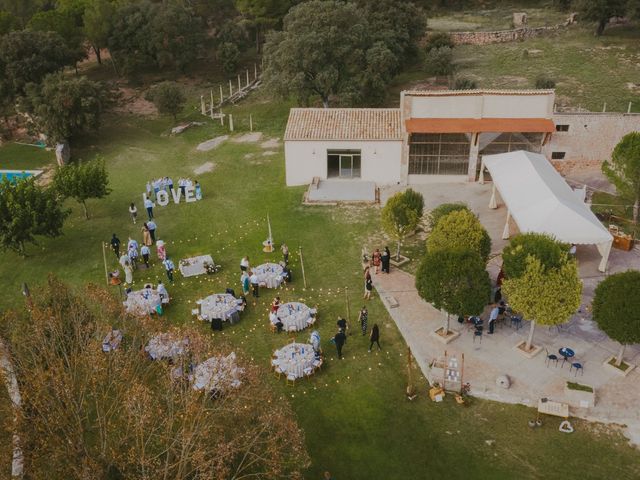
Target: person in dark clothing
{"x":342,"y":324}
{"x":340,"y":339}
{"x":385,"y":259}
{"x":115,"y":245}
{"x":374,"y":337}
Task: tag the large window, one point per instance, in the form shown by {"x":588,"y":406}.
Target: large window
{"x":343,"y":163}
{"x":492,"y":143}
{"x":439,"y":153}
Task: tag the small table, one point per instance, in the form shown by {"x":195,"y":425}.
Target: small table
{"x":190,"y":267}
{"x":566,"y":353}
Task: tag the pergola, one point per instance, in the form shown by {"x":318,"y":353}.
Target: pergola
{"x":539,"y":200}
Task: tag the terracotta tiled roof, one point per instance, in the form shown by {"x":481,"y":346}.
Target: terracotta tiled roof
{"x":449,"y":93}
{"x":344,"y":124}
{"x":473,"y":125}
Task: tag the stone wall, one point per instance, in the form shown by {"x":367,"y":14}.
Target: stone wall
{"x":503,"y":36}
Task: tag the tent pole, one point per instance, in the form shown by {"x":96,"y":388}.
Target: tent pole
{"x":505,"y":233}
{"x":492,"y":202}
{"x":481,"y":177}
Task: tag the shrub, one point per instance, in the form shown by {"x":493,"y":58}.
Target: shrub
{"x":229,"y":54}
{"x":438,"y":40}
{"x":460,"y":230}
{"x":544,"y":82}
{"x":442,"y":210}
{"x":440,"y":61}
{"x":168,"y":98}
{"x":414,"y":200}
{"x":465,"y":83}
{"x":551,"y":253}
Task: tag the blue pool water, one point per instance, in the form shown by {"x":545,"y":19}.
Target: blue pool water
{"x":13,"y":175}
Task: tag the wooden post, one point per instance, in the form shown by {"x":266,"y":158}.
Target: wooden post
{"x":346,"y":294}
{"x":211,"y":111}
{"x":247,"y":77}
{"x":604,"y":107}
{"x":255,"y":71}
{"x":231,"y":122}
{"x":221,"y":96}
{"x":230,"y":89}
{"x":250,"y":123}
{"x":106,"y":270}
{"x":629,"y":108}
{"x":211,"y":94}
{"x":203,"y":107}
{"x":304,"y":277}
{"x":239,"y":84}
{"x":221,"y":118}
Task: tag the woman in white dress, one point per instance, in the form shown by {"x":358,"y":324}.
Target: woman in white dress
{"x":128,"y":272}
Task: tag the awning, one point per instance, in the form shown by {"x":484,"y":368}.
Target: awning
{"x":479,"y":125}
{"x":539,"y":200}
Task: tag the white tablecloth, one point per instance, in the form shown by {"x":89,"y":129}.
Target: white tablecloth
{"x":190,"y":267}
{"x":221,"y":305}
{"x":295,"y":314}
{"x":217,"y":373}
{"x":294,"y":358}
{"x":142,"y":302}
{"x":165,"y":345}
{"x":269,"y":274}
{"x":111,"y":340}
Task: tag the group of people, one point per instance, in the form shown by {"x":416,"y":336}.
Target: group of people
{"x":129,"y":259}
{"x":249,"y":278}
{"x":166,"y":184}
{"x":340,"y":338}
{"x":380,"y":261}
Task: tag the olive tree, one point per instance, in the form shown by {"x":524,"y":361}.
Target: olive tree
{"x":551,"y":253}
{"x":399,"y":219}
{"x":460,"y":229}
{"x":82,"y":181}
{"x":616,"y":308}
{"x":624,"y":169}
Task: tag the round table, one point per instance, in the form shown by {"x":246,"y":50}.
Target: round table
{"x":217,"y":373}
{"x":295,"y":316}
{"x":567,"y":354}
{"x":165,"y":345}
{"x":269,"y":274}
{"x":294,"y":358}
{"x":142,"y":302}
{"x":219,"y":305}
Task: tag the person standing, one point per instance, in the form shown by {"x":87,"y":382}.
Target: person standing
{"x":162,"y":291}
{"x":244,"y":264}
{"x":146,"y":236}
{"x":115,"y":245}
{"x":364,"y":318}
{"x":124,"y":259}
{"x":255,"y":284}
{"x":368,"y":284}
{"x":151,"y":226}
{"x":161,"y":251}
{"x":342,"y":324}
{"x":170,"y":184}
{"x":182,"y":183}
{"x":385,"y":258}
{"x":493,"y":316}
{"x":169,"y":266}
{"x":132,"y":252}
{"x":198,"y":191}
{"x":376,"y":259}
{"x":340,"y":339}
{"x":148,"y":189}
{"x":285,"y":253}
{"x":374,"y":337}
{"x":244,"y":280}
{"x":128,"y":273}
{"x":148,"y":204}
{"x":145,"y":251}
{"x":133,"y":211}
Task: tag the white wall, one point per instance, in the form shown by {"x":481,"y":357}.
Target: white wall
{"x":380,"y":160}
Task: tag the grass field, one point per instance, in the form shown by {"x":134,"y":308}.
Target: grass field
{"x":357,"y":421}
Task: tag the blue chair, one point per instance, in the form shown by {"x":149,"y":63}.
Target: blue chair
{"x":516,"y":321}
{"x":477,"y":334}
{"x":550,"y":358}
{"x":578,"y":367}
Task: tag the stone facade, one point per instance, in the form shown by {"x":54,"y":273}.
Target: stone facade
{"x":502,"y":36}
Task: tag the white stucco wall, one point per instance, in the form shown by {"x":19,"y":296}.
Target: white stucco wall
{"x":380,"y":160}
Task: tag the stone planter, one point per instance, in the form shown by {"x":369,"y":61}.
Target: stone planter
{"x":520,"y":347}
{"x":451,"y":336}
{"x":399,"y":263}
{"x":580,"y":398}
{"x":618,"y":371}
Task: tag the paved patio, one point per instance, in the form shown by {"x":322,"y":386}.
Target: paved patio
{"x":617,"y":398}
{"x":342,"y":191}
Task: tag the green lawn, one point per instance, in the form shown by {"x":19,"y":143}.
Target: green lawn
{"x":358,"y":424}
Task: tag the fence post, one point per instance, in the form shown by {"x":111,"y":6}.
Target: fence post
{"x":203,"y":108}
{"x":239,"y":85}
{"x":629,"y":108}
{"x":250,"y":123}
{"x":231,"y":122}
{"x":230,"y":89}
{"x":221,"y":96}
{"x":221,"y":118}
{"x":255,"y":71}
{"x":604,"y":107}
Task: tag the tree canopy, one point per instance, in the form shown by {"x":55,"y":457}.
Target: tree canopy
{"x":616,"y":308}
{"x":399,"y":218}
{"x":28,"y":210}
{"x":460,"y":229}
{"x":600,"y":11}
{"x":90,"y":414}
{"x":544,"y":296}
{"x":624,"y":169}
{"x":82,"y":181}
{"x":64,"y":24}
{"x":551,"y":253}
{"x":168,"y":98}
{"x":455,"y":280}
{"x":443,"y":210}
{"x":64,"y":106}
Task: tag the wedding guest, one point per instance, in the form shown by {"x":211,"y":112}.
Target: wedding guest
{"x":145,"y":251}
{"x":161,"y":251}
{"x":244,"y":279}
{"x":124,"y":258}
{"x":368,"y":284}
{"x":169,"y":266}
{"x":128,"y":273}
{"x":314,"y":340}
{"x":148,"y":204}
{"x":285,"y":253}
{"x":115,"y":245}
{"x":148,"y":189}
{"x":198,"y":191}
{"x":273,"y":318}
{"x":339,"y":339}
{"x":182,"y":183}
{"x":132,"y":252}
{"x":162,"y":291}
{"x":275,"y":304}
{"x":133,"y":211}
{"x":170,"y":183}
{"x":363,"y":316}
{"x":146,"y":235}
{"x":255,"y":284}
{"x":244,"y":264}
{"x":342,"y":324}
{"x":386,"y":260}
{"x":151,"y":226}
{"x":375,"y":337}
{"x":156,"y":188}
{"x":376,"y":259}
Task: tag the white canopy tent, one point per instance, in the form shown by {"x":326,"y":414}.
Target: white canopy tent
{"x":539,"y":200}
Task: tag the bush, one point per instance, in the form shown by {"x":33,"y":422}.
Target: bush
{"x":440,"y":61}
{"x":438,"y":40}
{"x":167,"y":97}
{"x":442,"y":210}
{"x":551,"y":253}
{"x":544,"y":82}
{"x":229,"y":54}
{"x":460,"y":230}
{"x":465,"y":83}
{"x":414,"y":200}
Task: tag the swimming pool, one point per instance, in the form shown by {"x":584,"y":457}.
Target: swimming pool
{"x":13,"y":175}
